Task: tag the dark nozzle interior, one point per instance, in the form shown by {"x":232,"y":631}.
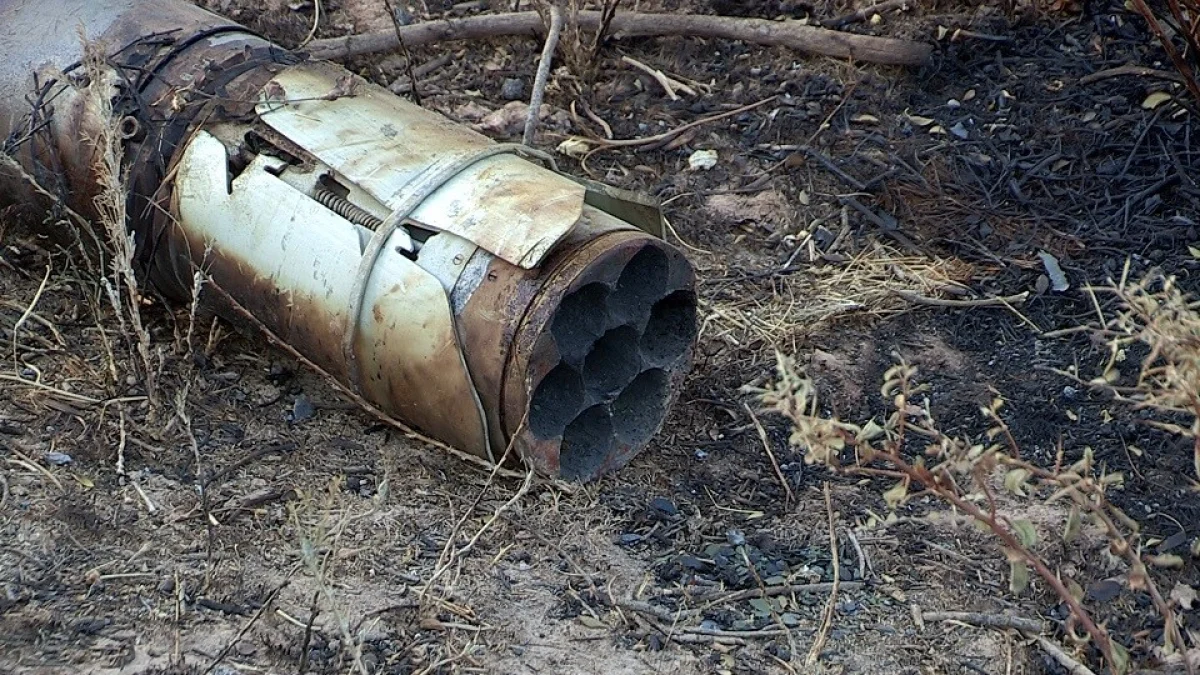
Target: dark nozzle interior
{"x":620,"y":344}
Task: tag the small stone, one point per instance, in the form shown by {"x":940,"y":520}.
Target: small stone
{"x":1103,"y":591}
{"x":629,"y":539}
{"x":735,"y":537}
{"x":703,"y":160}
{"x":58,"y":458}
{"x":302,"y":409}
{"x":166,"y":586}
{"x":823,"y":236}
{"x":245,"y":648}
{"x":513,"y":89}
{"x":664,"y":506}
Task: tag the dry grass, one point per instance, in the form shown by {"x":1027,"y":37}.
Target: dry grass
{"x":873,"y":284}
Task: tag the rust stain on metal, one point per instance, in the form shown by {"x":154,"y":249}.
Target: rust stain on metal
{"x":252,"y":220}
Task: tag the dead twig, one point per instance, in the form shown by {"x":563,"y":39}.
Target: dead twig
{"x":987,"y":620}
{"x":16,"y":329}
{"x":423,"y":70}
{"x":792,"y":34}
{"x":766,"y":442}
{"x":36,"y":318}
{"x":24,"y":461}
{"x":543,"y":73}
{"x":1177,"y":59}
{"x":249,"y":624}
{"x":814,"y":653}
{"x":403,"y":45}
{"x":863,"y":562}
{"x":963,"y":304}
{"x":716,"y":632}
{"x":660,"y":613}
{"x":867,"y":12}
{"x":669,"y":84}
{"x":693,"y":639}
{"x":1064,"y":659}
{"x":1130,"y":71}
{"x":771,"y":591}
{"x":668,"y":135}
{"x":312,"y":32}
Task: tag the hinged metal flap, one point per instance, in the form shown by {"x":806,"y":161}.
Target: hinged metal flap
{"x":509,"y":206}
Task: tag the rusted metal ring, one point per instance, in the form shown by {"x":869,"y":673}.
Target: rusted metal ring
{"x":129,"y":128}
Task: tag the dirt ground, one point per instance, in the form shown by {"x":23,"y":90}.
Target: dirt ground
{"x":266,"y":526}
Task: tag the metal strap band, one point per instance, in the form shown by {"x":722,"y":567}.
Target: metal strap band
{"x":424,"y":185}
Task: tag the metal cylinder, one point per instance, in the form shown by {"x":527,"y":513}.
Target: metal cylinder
{"x":464,"y":286}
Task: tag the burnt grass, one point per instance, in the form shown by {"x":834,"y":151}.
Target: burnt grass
{"x":991,"y":154}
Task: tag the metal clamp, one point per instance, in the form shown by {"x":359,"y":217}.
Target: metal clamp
{"x":418,"y":190}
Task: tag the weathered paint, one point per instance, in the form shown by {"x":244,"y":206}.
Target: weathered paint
{"x":382,"y":143}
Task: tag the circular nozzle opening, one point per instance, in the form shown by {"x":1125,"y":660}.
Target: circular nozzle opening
{"x":619,"y":345}
{"x":612,"y":363}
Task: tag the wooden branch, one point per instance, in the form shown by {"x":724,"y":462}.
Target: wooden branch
{"x":1132,"y":71}
{"x":791,"y":34}
{"x":987,"y":620}
{"x":543,"y":74}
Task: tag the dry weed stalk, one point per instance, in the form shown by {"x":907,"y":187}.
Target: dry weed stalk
{"x":320,"y":540}
{"x":1183,"y":21}
{"x":121,"y":285}
{"x":581,"y":52}
{"x":909,"y":447}
{"x":1156,"y":313}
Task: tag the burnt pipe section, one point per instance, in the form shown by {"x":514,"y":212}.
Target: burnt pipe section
{"x":573,"y":360}
{"x":623,"y":346}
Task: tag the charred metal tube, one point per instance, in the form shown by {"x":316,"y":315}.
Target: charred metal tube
{"x":465,"y":286}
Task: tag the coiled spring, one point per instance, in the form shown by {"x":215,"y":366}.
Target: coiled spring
{"x":345,"y":209}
